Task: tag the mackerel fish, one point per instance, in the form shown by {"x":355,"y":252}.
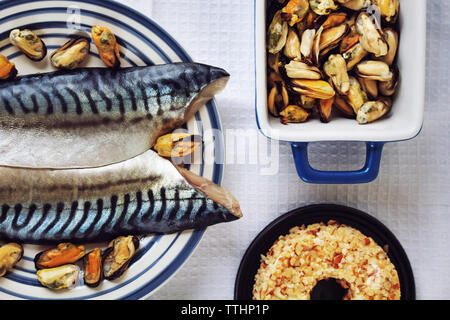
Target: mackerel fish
{"x":98,"y":116}
{"x":76,"y":163}
{"x":144,"y":195}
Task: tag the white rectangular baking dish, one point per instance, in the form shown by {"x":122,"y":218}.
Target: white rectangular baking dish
{"x":404,"y":122}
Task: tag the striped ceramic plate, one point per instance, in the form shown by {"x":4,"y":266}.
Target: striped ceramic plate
{"x":142,"y":42}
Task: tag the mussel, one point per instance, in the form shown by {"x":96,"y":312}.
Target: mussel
{"x":334,"y":20}
{"x":336,"y":69}
{"x":177,"y":145}
{"x":300,"y":70}
{"x":93,"y":268}
{"x":295,"y":11}
{"x":107,"y":46}
{"x":317,"y":89}
{"x":354,"y":56}
{"x":388,"y":88}
{"x":277,"y":33}
{"x":72,"y":54}
{"x":118,"y":255}
{"x":64,"y":253}
{"x":391,"y":37}
{"x":370,"y":87}
{"x":59,"y":278}
{"x":331,"y":38}
{"x":278,"y":98}
{"x":308,"y":103}
{"x":294,"y":114}
{"x":274,"y":62}
{"x":343,"y":107}
{"x":371,"y":37}
{"x":355,"y":5}
{"x":355,"y":96}
{"x":29,"y":43}
{"x":348,"y":42}
{"x":8,"y":69}
{"x":374,"y":70}
{"x":325,"y":109}
{"x":307,"y":43}
{"x":389,"y":9}
{"x":292,"y":47}
{"x":322,"y":7}
{"x":10,"y":255}
{"x":373,"y":110}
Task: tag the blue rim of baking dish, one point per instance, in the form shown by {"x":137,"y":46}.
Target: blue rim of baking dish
{"x":318,"y":213}
{"x":308,"y":174}
{"x":217,"y":174}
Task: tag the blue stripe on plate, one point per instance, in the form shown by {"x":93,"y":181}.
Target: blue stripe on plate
{"x":86,"y":28}
{"x":111,"y":20}
{"x":169,"y":270}
{"x":126,"y":11}
{"x":212,"y":112}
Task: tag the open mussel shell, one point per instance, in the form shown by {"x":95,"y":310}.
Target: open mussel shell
{"x":371,"y":37}
{"x":10,"y":255}
{"x":325,"y":109}
{"x":308,"y":103}
{"x":292,"y":46}
{"x":330,"y":38}
{"x":295,"y":11}
{"x":294,"y":114}
{"x":278,"y":98}
{"x":118,"y":255}
{"x":336,"y":69}
{"x":370,"y":87}
{"x":29,"y":43}
{"x":59,"y":278}
{"x":72,"y":54}
{"x":348,"y":42}
{"x":93,"y":268}
{"x":177,"y":145}
{"x":323,"y":7}
{"x":392,"y":38}
{"x":374,"y":70}
{"x":354,"y":55}
{"x":333,"y":20}
{"x":307,"y":43}
{"x":300,"y":70}
{"x":317,"y":89}
{"x":8,"y":69}
{"x":389,"y":9}
{"x":355,"y":97}
{"x":64,"y":253}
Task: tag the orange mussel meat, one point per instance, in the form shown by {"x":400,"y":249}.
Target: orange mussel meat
{"x":107,"y":46}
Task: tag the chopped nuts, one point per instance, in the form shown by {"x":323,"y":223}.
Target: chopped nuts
{"x":297,"y":261}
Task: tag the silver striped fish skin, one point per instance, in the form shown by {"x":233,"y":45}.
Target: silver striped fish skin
{"x":84,"y":97}
{"x":142,"y":196}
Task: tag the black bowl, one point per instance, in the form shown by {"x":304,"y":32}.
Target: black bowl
{"x":359,"y":220}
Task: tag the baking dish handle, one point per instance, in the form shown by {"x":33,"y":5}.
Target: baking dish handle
{"x":367,"y":174}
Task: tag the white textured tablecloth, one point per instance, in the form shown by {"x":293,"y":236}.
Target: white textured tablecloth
{"x":411,"y":195}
